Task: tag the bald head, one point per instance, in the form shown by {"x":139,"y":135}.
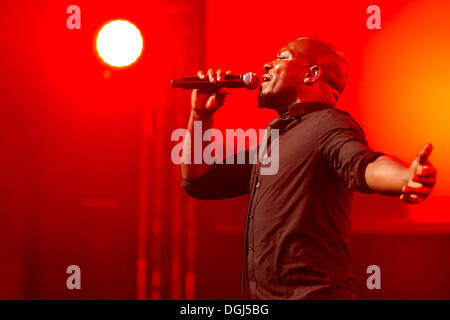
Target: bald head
{"x":316,"y":52}
{"x":305,"y":70}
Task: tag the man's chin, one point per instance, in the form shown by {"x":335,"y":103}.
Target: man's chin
{"x":266,"y":100}
{"x":276,"y":101}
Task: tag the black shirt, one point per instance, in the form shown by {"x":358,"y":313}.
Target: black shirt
{"x":298,"y":220}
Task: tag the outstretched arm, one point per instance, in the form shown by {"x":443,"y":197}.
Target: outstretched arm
{"x":388,"y":175}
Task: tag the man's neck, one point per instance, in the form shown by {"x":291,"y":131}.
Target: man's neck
{"x":300,"y":107}
{"x":282,"y":112}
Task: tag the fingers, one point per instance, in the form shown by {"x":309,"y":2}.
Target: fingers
{"x":425,"y":175}
{"x":426,"y":170}
{"x":424,"y":153}
{"x":220,"y":75}
{"x":414,"y":195}
{"x":426,"y":181}
{"x":419,"y":191}
{"x":420,"y":185}
{"x":224,"y":91}
{"x":201,"y":74}
{"x":410,"y":199}
{"x":212,"y":76}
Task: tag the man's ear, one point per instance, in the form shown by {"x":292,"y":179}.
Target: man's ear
{"x":312,"y":75}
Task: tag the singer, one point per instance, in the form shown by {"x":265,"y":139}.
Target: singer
{"x":298,"y":220}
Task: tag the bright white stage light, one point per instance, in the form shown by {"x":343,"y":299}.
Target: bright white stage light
{"x":119,"y":43}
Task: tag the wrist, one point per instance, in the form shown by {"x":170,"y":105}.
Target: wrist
{"x":201,"y":116}
{"x":406,"y":175}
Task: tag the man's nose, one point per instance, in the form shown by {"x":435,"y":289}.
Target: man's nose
{"x":268,"y":66}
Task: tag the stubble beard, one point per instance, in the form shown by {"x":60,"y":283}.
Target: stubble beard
{"x":277,"y":101}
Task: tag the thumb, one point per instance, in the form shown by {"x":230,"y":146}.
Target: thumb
{"x":424,"y":153}
{"x":221,"y":95}
{"x":224,"y":91}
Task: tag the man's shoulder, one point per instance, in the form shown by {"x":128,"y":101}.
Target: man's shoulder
{"x":334,"y":118}
{"x":334,"y":113}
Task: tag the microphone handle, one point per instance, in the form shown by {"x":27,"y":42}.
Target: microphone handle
{"x":231,"y":81}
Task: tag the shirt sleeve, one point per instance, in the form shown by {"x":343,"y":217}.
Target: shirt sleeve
{"x":221,"y":181}
{"x":343,"y":144}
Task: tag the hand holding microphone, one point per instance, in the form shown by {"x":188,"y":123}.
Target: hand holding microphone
{"x":210,"y":89}
{"x":248,"y":81}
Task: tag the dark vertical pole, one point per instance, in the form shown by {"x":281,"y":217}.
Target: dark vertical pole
{"x":166,"y":243}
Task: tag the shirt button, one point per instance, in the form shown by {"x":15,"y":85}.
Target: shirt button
{"x":258,"y":184}
{"x":250,"y":247}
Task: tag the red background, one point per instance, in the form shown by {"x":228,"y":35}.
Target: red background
{"x":86,"y":176}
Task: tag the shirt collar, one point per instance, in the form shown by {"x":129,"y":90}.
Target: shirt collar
{"x":298,"y":109}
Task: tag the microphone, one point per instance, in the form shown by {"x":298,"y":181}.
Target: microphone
{"x":248,"y":81}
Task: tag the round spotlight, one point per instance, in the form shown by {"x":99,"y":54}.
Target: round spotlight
{"x":119,"y":43}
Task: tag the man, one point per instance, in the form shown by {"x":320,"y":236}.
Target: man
{"x":298,"y":219}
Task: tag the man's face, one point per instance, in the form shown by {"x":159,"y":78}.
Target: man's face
{"x":282,"y":79}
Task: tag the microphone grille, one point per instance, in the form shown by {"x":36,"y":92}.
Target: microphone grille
{"x":251,"y":80}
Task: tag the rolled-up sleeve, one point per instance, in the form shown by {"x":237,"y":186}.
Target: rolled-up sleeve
{"x":221,"y":181}
{"x":343,"y":144}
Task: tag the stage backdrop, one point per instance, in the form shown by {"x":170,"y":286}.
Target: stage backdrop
{"x":86,"y":176}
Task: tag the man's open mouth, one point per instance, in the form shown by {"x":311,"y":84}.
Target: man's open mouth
{"x":266,"y":78}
